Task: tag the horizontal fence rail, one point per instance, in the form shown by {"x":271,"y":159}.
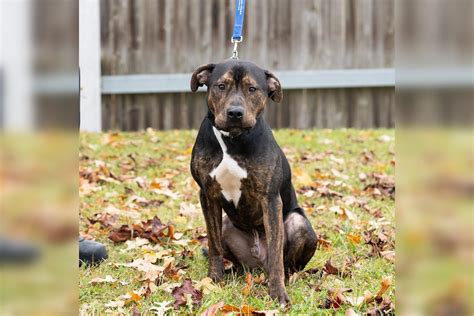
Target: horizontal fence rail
{"x":290,"y":80}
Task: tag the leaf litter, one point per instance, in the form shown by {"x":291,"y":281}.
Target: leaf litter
{"x":129,"y":216}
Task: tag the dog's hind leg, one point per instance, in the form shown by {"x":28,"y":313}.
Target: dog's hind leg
{"x":243,"y":248}
{"x":300,"y":242}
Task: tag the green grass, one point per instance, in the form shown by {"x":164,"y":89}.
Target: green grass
{"x":315,"y":157}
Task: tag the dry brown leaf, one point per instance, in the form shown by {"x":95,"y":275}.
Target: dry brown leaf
{"x":384,"y":285}
{"x":343,"y":212}
{"x":152,"y":271}
{"x":271,"y":312}
{"x":153,"y":230}
{"x":386,"y":307}
{"x":302,"y":177}
{"x":350,"y":312}
{"x":248,"y":284}
{"x":206,"y":286}
{"x":326,"y":244}
{"x":339,"y":161}
{"x":334,"y":300}
{"x":135,"y":311}
{"x":389,"y":255}
{"x":117,"y":303}
{"x":260,"y":279}
{"x":229,"y":308}
{"x":188,"y":210}
{"x":213,"y":310}
{"x":329,"y":268}
{"x":355,"y":239}
{"x":185,"y":291}
{"x":107,"y":279}
{"x":133,"y":298}
{"x":136,"y":243}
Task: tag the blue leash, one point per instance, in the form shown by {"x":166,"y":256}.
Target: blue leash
{"x":238,"y":25}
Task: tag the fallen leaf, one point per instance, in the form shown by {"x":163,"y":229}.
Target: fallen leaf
{"x":326,"y":141}
{"x":324,"y":191}
{"x":150,"y":257}
{"x":302,"y":177}
{"x":213,"y":309}
{"x":155,"y":185}
{"x":329,"y":268}
{"x":117,"y":303}
{"x":206,"y":286}
{"x":389,"y":255}
{"x":386,"y":307}
{"x":326,"y":244}
{"x":107,"y":279}
{"x":153,"y":230}
{"x":247,"y":310}
{"x":385,"y":138}
{"x":188,"y":210}
{"x":260,"y":279}
{"x":152,"y":271}
{"x":367,"y":157}
{"x":334,"y":300}
{"x":384,"y":285}
{"x":135,"y":311}
{"x":168,"y":193}
{"x":171,"y":272}
{"x":168,"y":287}
{"x":339,"y":161}
{"x":163,"y":253}
{"x":355,"y":239}
{"x":133,"y":297}
{"x":350,"y":312}
{"x":337,"y":174}
{"x":383,"y":185}
{"x":162,"y":308}
{"x":271,"y":312}
{"x":229,"y":309}
{"x":180,"y":294}
{"x":248,"y":284}
{"x":343,"y":212}
{"x":136,"y":243}
{"x":379,"y":241}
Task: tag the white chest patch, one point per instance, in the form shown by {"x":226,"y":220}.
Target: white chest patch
{"x":228,"y":173}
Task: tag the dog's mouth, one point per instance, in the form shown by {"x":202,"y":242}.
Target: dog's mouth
{"x":233,"y":131}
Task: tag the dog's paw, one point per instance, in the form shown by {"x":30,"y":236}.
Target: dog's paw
{"x":280,"y":295}
{"x":216,"y":270}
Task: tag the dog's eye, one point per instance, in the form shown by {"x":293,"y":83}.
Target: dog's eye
{"x":252,"y":89}
{"x":221,"y":86}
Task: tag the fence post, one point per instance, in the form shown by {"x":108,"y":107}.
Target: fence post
{"x":89,"y":64}
{"x":16,"y":33}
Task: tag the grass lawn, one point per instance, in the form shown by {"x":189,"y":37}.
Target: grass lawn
{"x":343,"y":179}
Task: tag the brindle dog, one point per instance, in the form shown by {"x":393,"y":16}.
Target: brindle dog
{"x":241,"y":169}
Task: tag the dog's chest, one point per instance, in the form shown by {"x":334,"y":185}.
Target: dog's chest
{"x":228,"y":174}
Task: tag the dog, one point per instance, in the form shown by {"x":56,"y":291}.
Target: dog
{"x":240,"y":169}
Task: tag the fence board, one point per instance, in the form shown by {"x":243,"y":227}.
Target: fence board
{"x":176,"y":36}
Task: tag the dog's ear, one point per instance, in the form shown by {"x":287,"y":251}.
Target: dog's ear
{"x":201,"y":76}
{"x":274,"y":87}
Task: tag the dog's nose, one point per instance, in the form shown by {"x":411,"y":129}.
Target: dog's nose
{"x":235,"y":113}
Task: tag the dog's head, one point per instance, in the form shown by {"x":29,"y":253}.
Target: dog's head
{"x":237,"y":93}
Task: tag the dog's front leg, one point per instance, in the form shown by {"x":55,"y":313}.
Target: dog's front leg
{"x":274,"y":233}
{"x":213,"y":216}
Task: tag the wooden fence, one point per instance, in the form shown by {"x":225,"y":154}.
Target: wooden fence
{"x":176,"y":36}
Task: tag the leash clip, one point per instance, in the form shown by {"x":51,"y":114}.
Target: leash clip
{"x":235,"y":53}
